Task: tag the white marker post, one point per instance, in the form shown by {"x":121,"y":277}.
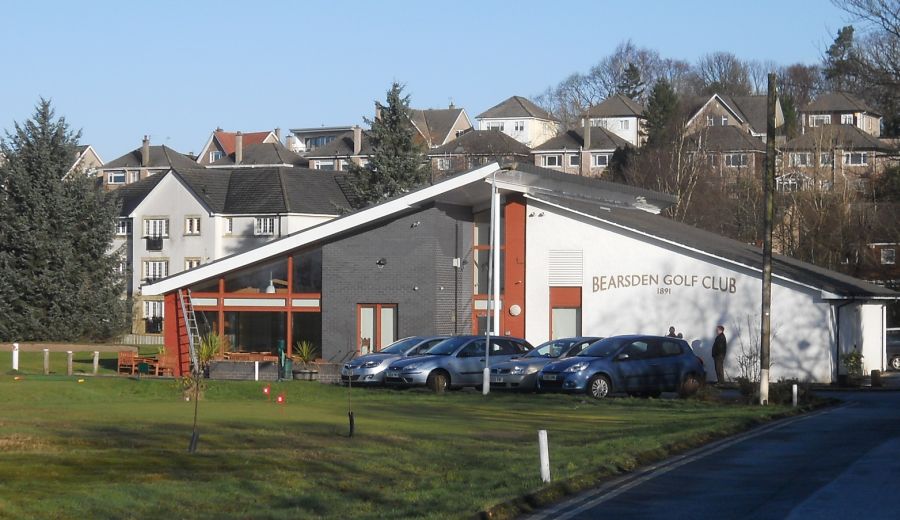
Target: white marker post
{"x":795,"y":400}
{"x":544,"y":448}
{"x":46,"y":361}
{"x":256,"y":370}
{"x":15,"y":352}
{"x":68,"y":362}
{"x":96,"y":362}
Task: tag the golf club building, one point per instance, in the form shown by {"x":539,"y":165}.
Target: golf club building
{"x":573,"y":255}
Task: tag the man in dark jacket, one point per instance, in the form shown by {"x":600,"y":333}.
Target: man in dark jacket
{"x":720,"y":346}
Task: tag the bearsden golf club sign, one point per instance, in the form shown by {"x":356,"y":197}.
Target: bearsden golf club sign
{"x":665,"y":283}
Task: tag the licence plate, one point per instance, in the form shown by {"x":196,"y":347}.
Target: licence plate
{"x":496,"y":379}
{"x":548,"y":377}
{"x":393,"y":373}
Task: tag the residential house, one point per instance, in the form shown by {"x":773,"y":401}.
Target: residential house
{"x":438,"y":126}
{"x":141,"y":163}
{"x":187,"y":217}
{"x":259,"y":155}
{"x":728,"y":152}
{"x":87,"y":162}
{"x":745,"y":112}
{"x":521,"y":119}
{"x":583,"y":151}
{"x":476,"y":148}
{"x":349,"y":147}
{"x":306,"y":140}
{"x":620,"y":115}
{"x":829,"y":155}
{"x":840,"y":108}
{"x":222,"y":143}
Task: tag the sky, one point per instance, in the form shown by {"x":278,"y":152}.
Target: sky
{"x":176,"y":70}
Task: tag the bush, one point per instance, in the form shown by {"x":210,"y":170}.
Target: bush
{"x":780,"y":392}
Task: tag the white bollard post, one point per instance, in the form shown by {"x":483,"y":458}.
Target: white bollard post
{"x":96,"y":362}
{"x":46,"y":361}
{"x":544,"y":448}
{"x":68,"y":362}
{"x":794,"y":399}
{"x":256,"y":370}
{"x":15,"y":356}
{"x":486,"y":381}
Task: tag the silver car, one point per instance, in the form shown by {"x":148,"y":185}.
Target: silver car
{"x":522,"y":373}
{"x":455,"y":362}
{"x":369,"y":369}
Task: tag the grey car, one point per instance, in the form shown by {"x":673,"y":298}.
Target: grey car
{"x":521,"y":374}
{"x":369,"y":369}
{"x":455,"y":362}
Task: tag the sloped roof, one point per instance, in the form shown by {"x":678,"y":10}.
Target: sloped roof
{"x":838,"y":102}
{"x":617,"y":105}
{"x":752,"y":108}
{"x":843,"y":137}
{"x":482,"y":142}
{"x":161,"y":156}
{"x":264,"y":154}
{"x":516,"y":106}
{"x":683,"y":235}
{"x":227,"y":139}
{"x":342,"y":146}
{"x":601,"y":139}
{"x":726,"y":139}
{"x":435,"y":124}
{"x":251,"y":190}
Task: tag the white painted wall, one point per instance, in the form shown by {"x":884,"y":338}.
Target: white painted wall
{"x":613,"y":124}
{"x":536,"y":131}
{"x":802,"y":323}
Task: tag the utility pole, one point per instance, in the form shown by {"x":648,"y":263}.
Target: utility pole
{"x":769,"y":216}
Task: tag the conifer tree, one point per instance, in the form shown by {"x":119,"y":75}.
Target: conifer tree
{"x":631,"y":84}
{"x":662,"y":109}
{"x":57,"y":274}
{"x":398,"y":163}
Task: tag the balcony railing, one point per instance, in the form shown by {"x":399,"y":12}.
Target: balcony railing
{"x":154,"y":243}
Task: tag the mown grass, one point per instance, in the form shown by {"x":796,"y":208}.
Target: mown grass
{"x":116,"y":448}
{"x":82,"y":361}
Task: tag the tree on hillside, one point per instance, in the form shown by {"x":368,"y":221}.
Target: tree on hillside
{"x":722,"y":73}
{"x":398,"y":163}
{"x":842,"y":62}
{"x":58,"y":278}
{"x":662,"y":114}
{"x":631,"y":85}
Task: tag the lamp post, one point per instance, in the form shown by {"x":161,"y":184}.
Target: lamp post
{"x":493,"y":321}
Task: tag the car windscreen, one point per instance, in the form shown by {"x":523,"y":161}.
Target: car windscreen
{"x":447,"y":347}
{"x":602,"y":348}
{"x":550,"y":349}
{"x":400,"y":347}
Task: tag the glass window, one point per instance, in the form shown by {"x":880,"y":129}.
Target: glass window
{"x":308,"y":272}
{"x":846,"y":119}
{"x":156,"y":227}
{"x":566,"y":322}
{"x":856,"y":158}
{"x":670,"y":348}
{"x":256,"y":331}
{"x":637,"y":350}
{"x":265,"y":278}
{"x":724,"y":120}
{"x":325,"y":165}
{"x":387,"y":325}
{"x":710,"y":121}
{"x":819,"y":120}
{"x":115,"y":177}
{"x":156,"y":269}
{"x":229,"y":225}
{"x":623,"y":124}
{"x":825,"y":158}
{"x":215,"y":155}
{"x":377,"y":326}
{"x":208,"y":286}
{"x":888,"y":256}
{"x":552,"y":160}
{"x":575,"y":160}
{"x":190,"y":263}
{"x":307,"y":326}
{"x":601,"y":160}
{"x":735,"y":160}
{"x":265,"y":226}
{"x":123,"y":227}
{"x":520,"y":126}
{"x":800,"y":159}
{"x":192,"y":225}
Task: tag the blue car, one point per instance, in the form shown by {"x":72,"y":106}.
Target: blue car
{"x":637,"y":365}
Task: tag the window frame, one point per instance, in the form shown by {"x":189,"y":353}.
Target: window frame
{"x":595,"y":160}
{"x":863,"y":158}
{"x":191,"y":263}
{"x":575,"y":160}
{"x":377,"y":308}
{"x":557,"y":158}
{"x":119,"y":227}
{"x":148,"y":227}
{"x":259,"y":227}
{"x":147,"y":268}
{"x":229,"y":225}
{"x":189,"y":229}
{"x":888,"y":255}
{"x":847,"y":119}
{"x":742,"y":160}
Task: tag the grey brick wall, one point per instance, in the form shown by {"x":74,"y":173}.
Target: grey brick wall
{"x":418,"y":276}
{"x":243,"y":370}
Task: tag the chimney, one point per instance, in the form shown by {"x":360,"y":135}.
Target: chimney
{"x":585,"y":165}
{"x":377,"y":111}
{"x":278,"y":135}
{"x":145,"y":152}
{"x":238,"y":148}
{"x":357,"y":139}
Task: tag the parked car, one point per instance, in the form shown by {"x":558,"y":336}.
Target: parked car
{"x":893,"y":348}
{"x":455,"y":362}
{"x":522,"y":373}
{"x":638,"y":365}
{"x":369,"y":369}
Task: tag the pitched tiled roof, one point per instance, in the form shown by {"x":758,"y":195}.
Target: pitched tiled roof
{"x":252,"y":190}
{"x":616,"y":105}
{"x":160,"y":157}
{"x":726,"y":139}
{"x":838,"y":102}
{"x":265,"y":154}
{"x":843,"y":137}
{"x":226,"y":139}
{"x":342,"y":146}
{"x":717,"y":245}
{"x":601,"y":139}
{"x":482,"y":142}
{"x":516,"y":106}
{"x":435,"y":124}
{"x":752,"y":109}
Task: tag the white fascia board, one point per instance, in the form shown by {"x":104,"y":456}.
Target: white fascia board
{"x":824,"y":294}
{"x":322,"y":231}
{"x":205,"y":149}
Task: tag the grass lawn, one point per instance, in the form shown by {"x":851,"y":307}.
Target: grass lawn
{"x":82,"y":361}
{"x":116,"y":448}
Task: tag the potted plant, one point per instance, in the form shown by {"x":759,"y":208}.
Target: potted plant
{"x":853,"y":364}
{"x":304,"y":356}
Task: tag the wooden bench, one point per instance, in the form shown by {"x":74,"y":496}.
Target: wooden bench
{"x":126,"y":363}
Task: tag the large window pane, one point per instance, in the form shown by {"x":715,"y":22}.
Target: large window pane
{"x":307,"y":326}
{"x":255,"y":331}
{"x":206,"y":286}
{"x":308,"y":272}
{"x":566,"y":323}
{"x":482,"y":270}
{"x":265,"y":278}
{"x":366,"y":329}
{"x":388,"y":326}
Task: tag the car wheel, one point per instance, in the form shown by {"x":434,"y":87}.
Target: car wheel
{"x":895,"y":363}
{"x":438,"y":382}
{"x":690,"y":385}
{"x":598,"y":386}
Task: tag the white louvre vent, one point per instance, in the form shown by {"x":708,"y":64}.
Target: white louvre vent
{"x":565,"y":268}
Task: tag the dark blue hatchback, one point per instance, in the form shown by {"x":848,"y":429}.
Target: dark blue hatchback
{"x":638,"y":365}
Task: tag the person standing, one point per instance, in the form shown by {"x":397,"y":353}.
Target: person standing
{"x":671,"y":333}
{"x":719,"y":349}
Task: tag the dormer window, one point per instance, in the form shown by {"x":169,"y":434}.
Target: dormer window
{"x":123,"y":227}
